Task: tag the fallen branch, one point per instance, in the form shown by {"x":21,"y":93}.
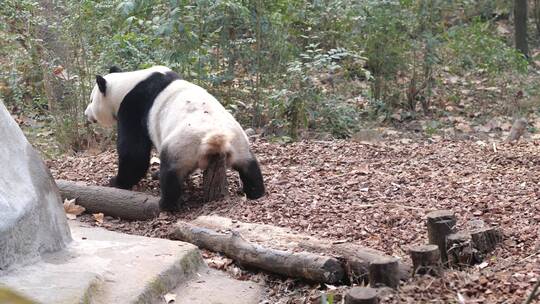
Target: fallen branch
{"x":356,"y":258}
{"x":534,"y":293}
{"x":114,"y":202}
{"x":304,"y":265}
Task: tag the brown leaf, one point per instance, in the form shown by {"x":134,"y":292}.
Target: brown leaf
{"x":72,"y":209}
{"x":98,"y":217}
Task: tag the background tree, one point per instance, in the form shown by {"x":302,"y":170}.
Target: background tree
{"x":520,"y":21}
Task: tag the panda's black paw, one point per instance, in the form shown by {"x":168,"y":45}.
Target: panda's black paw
{"x":113,"y":182}
{"x":167,"y":206}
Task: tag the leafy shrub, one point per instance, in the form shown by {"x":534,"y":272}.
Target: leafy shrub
{"x":477,"y":47}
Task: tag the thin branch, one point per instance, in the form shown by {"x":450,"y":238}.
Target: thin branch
{"x":533,"y":294}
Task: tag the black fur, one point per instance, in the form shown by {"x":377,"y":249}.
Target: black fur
{"x":114,"y":69}
{"x":102,"y":84}
{"x":169,"y":182}
{"x":252,"y":179}
{"x":134,"y":144}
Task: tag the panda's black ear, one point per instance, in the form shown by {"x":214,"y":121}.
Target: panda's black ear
{"x":102,"y":84}
{"x":114,"y":69}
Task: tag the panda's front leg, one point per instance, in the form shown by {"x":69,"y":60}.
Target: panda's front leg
{"x":133,"y":158}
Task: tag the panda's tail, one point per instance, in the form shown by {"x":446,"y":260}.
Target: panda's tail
{"x":218,"y":142}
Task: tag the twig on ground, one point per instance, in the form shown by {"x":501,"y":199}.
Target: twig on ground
{"x":533,"y":294}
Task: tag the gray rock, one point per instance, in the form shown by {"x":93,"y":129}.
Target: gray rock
{"x":32,"y":218}
{"x":106,"y":267}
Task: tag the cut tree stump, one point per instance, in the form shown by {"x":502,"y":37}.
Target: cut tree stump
{"x":486,"y":239}
{"x":355,"y":257}
{"x":440,"y":224}
{"x":384,"y":272}
{"x":361,"y":295}
{"x":215,"y":185}
{"x":518,"y":129}
{"x":310,"y":266}
{"x":460,"y":251}
{"x":114,"y":202}
{"x":426,"y":260}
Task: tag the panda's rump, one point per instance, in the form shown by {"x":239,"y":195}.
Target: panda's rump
{"x":191,"y":124}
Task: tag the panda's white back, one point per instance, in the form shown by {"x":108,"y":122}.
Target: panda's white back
{"x":184,"y":112}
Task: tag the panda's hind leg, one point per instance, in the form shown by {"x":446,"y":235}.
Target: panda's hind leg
{"x":170,"y":181}
{"x":251,"y":176}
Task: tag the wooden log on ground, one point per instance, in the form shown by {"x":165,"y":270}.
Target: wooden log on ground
{"x":304,"y":265}
{"x":460,"y":251}
{"x":384,"y":272}
{"x":486,"y":239}
{"x":440,"y":224}
{"x":356,"y":258}
{"x":114,"y":202}
{"x":361,"y":295}
{"x":426,"y":260}
{"x":215,"y":185}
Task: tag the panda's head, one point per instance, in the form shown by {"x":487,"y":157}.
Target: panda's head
{"x":104,"y":101}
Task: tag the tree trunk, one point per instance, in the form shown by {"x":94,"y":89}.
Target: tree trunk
{"x":520,"y":23}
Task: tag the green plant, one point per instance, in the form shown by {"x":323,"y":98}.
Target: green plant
{"x":476,"y":47}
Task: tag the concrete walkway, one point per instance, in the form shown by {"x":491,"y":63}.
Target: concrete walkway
{"x":216,"y":287}
{"x":102,"y":266}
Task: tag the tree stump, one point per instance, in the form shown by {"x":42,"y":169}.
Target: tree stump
{"x":518,"y":129}
{"x":460,"y":250}
{"x":486,"y":239}
{"x":426,"y":260}
{"x":361,"y":295}
{"x":440,"y":224}
{"x":215,"y":185}
{"x":384,"y":272}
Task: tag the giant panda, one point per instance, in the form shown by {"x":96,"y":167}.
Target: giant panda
{"x":183,"y":121}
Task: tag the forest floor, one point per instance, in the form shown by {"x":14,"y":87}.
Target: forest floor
{"x":376,"y":193}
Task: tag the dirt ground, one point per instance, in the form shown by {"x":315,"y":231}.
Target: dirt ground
{"x":377,"y":194}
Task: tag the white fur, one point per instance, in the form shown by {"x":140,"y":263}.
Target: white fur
{"x":103,"y":109}
{"x":184,"y":119}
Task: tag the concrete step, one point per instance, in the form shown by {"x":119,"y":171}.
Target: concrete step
{"x":216,"y":287}
{"x":102,"y":266}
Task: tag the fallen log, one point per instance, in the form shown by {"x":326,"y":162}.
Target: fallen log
{"x":304,"y":265}
{"x":114,"y":202}
{"x":355,"y":257}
